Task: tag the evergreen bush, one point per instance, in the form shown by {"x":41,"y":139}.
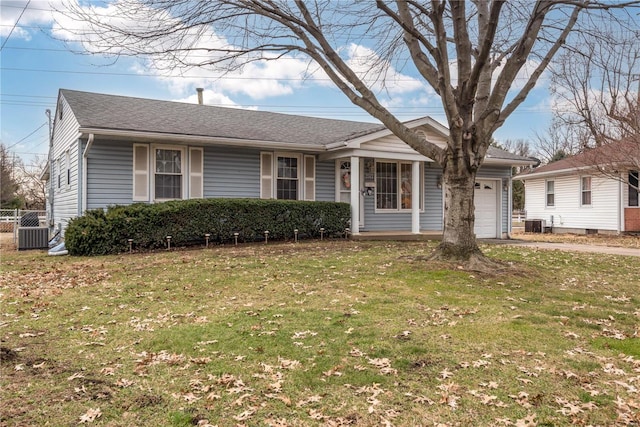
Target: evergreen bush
{"x":100,"y":232}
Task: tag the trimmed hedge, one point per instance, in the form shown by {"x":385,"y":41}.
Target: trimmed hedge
{"x":187,"y":221}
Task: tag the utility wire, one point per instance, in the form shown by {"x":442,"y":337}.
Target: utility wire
{"x":16,"y":143}
{"x":14,"y":25}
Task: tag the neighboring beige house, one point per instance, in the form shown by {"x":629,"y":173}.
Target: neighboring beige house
{"x":592,"y":192}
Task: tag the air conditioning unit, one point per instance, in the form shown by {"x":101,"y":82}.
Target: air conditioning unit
{"x":534,"y":225}
{"x":33,"y":238}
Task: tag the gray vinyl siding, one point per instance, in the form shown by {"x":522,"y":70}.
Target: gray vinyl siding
{"x":110,"y":174}
{"x":326,"y":181}
{"x":433,"y":214}
{"x":65,"y":197}
{"x":430,"y":217}
{"x":230,"y":172}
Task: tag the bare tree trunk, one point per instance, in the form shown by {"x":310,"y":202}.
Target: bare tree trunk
{"x":458,"y":238}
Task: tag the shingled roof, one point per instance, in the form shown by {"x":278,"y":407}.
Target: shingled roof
{"x":99,"y":111}
{"x":625,"y":152}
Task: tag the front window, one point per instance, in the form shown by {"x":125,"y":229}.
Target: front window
{"x":387,"y":185}
{"x":288,"y":176}
{"x":633,"y":188}
{"x":395,"y":186}
{"x":168,"y":174}
{"x":550,"y":192}
{"x":586,"y":190}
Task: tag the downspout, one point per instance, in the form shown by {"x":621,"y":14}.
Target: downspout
{"x":85,"y":154}
{"x":509,"y":207}
{"x":51,"y":183}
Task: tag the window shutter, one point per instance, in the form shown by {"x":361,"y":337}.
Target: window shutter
{"x":266,"y":175}
{"x":309,"y":178}
{"x":196,"y":173}
{"x":140,"y":173}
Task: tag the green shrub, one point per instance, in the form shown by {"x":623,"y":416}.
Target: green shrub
{"x":187,"y":221}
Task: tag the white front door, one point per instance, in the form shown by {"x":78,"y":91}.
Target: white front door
{"x":486,"y":202}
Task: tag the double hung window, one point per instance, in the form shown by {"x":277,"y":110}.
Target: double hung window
{"x":550,"y":193}
{"x":585,"y":191}
{"x":167,"y":172}
{"x":287,"y":176}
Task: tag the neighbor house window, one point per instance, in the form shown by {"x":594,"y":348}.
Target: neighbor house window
{"x":287,"y":176}
{"x":633,"y":188}
{"x":585,"y":190}
{"x":395,"y":186}
{"x":168,"y":174}
{"x":550,"y":193}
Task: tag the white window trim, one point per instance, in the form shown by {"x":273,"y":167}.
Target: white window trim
{"x":184,"y":171}
{"x":300,"y":177}
{"x":399,"y":192}
{"x":546,"y":194}
{"x":304,"y":177}
{"x":590,"y":191}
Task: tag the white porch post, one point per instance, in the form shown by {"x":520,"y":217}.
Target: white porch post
{"x":415,"y":197}
{"x":355,"y":195}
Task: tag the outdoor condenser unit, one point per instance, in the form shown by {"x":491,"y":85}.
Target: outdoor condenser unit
{"x":33,"y":238}
{"x":534,"y":225}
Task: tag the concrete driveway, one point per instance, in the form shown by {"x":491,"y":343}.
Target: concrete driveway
{"x":568,"y":247}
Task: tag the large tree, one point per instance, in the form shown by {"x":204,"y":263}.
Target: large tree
{"x":9,"y":185}
{"x":597,"y":87}
{"x":482,"y":58}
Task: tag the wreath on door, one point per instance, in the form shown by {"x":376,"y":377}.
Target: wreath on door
{"x":346,"y":179}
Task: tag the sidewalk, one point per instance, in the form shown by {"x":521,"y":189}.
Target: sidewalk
{"x":568,"y":247}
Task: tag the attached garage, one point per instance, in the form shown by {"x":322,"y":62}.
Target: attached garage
{"x":486,"y":201}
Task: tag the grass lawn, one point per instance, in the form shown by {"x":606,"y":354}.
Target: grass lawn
{"x":319,"y":333}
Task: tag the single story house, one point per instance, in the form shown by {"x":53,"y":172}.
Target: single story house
{"x":108,"y":150}
{"x":592,"y":192}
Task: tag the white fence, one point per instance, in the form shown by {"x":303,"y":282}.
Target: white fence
{"x":11,"y":219}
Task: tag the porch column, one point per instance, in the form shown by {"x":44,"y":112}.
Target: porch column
{"x":355,"y":195}
{"x":415,"y":197}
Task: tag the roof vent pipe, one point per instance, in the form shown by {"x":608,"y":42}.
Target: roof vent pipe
{"x":200,"y":90}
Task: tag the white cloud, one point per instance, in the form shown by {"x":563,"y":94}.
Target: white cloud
{"x":32,"y":14}
{"x":212,"y":97}
{"x":378,"y":73}
{"x":256,"y":80}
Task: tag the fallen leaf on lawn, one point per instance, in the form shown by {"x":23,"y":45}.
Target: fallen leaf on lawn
{"x":90,"y":416}
{"x":240,"y":400}
{"x":245,"y":415}
{"x":446,"y":374}
{"x":288,"y":364}
{"x":528,"y":421}
{"x":356,"y":353}
{"x":75,"y":376}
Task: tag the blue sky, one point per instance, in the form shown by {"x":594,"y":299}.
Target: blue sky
{"x":34,"y":65}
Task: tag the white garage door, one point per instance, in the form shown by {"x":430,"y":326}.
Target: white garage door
{"x":486,"y":201}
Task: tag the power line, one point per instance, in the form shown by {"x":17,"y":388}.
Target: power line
{"x":15,"y":25}
{"x":16,"y":143}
